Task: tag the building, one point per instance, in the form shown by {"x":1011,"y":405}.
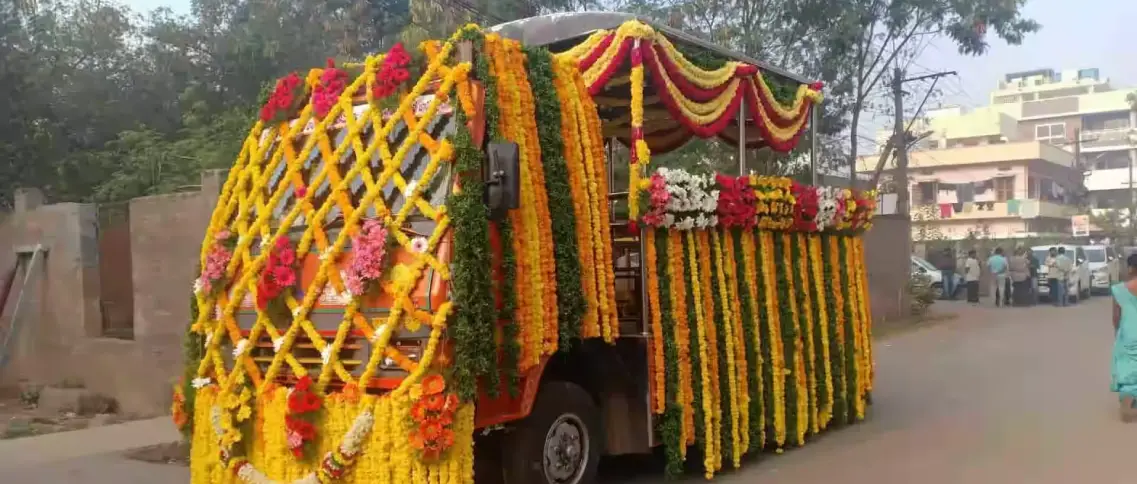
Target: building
{"x":1046,"y":143}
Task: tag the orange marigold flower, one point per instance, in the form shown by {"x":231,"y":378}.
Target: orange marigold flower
{"x":451,"y":403}
{"x":418,"y":411}
{"x":430,"y":431}
{"x":446,"y":439}
{"x":417,"y":440}
{"x":433,"y":385}
{"x":434,"y":403}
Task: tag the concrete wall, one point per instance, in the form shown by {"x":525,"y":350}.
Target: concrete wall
{"x":61,"y":336}
{"x":889,"y":266}
{"x":60,"y":320}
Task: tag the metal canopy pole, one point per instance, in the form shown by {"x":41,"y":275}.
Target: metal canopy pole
{"x":741,"y":139}
{"x":814,"y":111}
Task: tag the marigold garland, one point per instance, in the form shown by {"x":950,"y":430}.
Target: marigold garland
{"x":752,"y":314}
{"x":821,"y":304}
{"x":658,"y":381}
{"x":842,"y":404}
{"x":770,"y":262}
{"x":731,"y":264}
{"x":676,"y":281}
{"x":732,"y":450}
{"x":706,"y":371}
{"x":802,"y":282}
{"x":569,"y":297}
{"x":671,"y":425}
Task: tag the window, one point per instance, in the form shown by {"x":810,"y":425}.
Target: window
{"x":928,"y":192}
{"x":1080,"y":255}
{"x":1050,"y":132}
{"x":1096,"y":255}
{"x":1004,"y":188}
{"x":1110,"y":253}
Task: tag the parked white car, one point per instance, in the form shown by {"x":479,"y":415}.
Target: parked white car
{"x":1104,"y":265}
{"x":922,"y":266}
{"x":1078,"y":283}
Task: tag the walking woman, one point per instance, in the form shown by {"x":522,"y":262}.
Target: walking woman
{"x":1124,"y":371}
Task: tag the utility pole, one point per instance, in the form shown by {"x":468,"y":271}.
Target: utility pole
{"x":900,"y":132}
{"x":900,"y":143}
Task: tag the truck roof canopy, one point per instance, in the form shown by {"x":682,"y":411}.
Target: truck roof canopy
{"x":559,"y":31}
{"x":663,"y":131}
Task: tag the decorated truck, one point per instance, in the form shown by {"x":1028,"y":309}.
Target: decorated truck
{"x":415,"y":267}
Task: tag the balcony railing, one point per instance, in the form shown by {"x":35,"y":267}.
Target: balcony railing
{"x":1098,"y":139}
{"x":984,"y":210}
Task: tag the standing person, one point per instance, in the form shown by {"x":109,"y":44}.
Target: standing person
{"x":971,"y":272}
{"x":1052,"y":275}
{"x":1034,"y":265}
{"x":1123,"y":371}
{"x":945,"y":262}
{"x":1065,"y":266}
{"x":1000,"y":284}
{"x":1018,"y":268}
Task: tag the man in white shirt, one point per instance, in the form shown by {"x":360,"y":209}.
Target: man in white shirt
{"x":971,"y":273}
{"x":1064,"y":266}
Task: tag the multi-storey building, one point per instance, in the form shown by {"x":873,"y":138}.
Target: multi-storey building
{"x":1047,"y":142}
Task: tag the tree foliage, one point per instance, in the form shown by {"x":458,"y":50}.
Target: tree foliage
{"x":102,"y":103}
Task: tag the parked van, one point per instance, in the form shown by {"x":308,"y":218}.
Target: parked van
{"x":1104,"y":266}
{"x":1078,"y":283}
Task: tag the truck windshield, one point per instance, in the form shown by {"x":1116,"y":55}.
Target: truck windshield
{"x":411,"y":169}
{"x":1041,"y":254}
{"x":1095,"y":255}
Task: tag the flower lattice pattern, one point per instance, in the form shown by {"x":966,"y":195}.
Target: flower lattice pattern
{"x":316,"y":181}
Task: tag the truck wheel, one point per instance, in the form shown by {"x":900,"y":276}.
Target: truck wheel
{"x":559,"y":443}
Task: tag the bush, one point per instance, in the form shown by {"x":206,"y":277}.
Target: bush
{"x":920,"y":290}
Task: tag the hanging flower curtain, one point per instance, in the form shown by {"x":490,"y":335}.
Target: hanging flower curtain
{"x":704,"y":102}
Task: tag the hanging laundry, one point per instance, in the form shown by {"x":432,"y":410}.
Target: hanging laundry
{"x":945,"y":210}
{"x":965,"y":192}
{"x":946,"y":194}
{"x":968,"y":207}
{"x":957,"y":207}
{"x":985,"y":191}
{"x":1013,"y":207}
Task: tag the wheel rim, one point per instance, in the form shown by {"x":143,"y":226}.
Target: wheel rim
{"x":566,"y":450}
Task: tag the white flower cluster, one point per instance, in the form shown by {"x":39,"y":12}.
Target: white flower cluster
{"x":692,"y":200}
{"x":248,"y":473}
{"x":353,"y":439}
{"x":827,"y":207}
{"x":239,"y":350}
{"x":349,"y":446}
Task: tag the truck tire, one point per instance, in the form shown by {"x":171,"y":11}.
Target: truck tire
{"x":558,"y":443}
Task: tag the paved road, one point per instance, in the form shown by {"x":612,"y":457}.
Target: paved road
{"x":996,"y":396}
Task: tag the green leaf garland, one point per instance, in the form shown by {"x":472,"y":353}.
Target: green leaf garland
{"x":789,"y":334}
{"x":570,"y":299}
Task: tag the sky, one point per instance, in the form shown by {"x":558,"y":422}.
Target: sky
{"x":1075,"y":35}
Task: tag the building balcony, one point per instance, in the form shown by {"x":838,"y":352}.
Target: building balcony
{"x":983,"y":154}
{"x":1024,"y":209}
{"x":1105,"y":139}
{"x":1108,"y":179}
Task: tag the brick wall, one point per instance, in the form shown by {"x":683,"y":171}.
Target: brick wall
{"x":61,"y":322}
